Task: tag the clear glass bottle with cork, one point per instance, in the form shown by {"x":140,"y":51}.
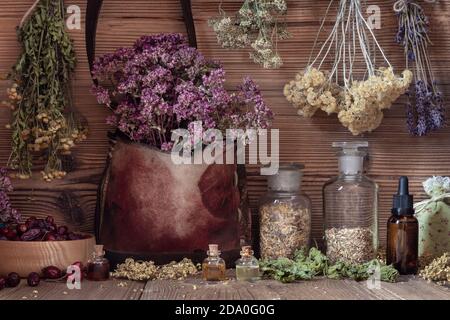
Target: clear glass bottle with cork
{"x":247,"y":267}
{"x":284,"y":214}
{"x":213,"y":267}
{"x":351,"y":208}
{"x":98,"y":267}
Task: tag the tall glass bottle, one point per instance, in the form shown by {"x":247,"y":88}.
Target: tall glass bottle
{"x":285,"y":214}
{"x":350,"y":208}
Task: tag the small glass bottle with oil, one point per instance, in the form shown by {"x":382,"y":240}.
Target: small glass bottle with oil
{"x":213,"y":266}
{"x":247,"y":267}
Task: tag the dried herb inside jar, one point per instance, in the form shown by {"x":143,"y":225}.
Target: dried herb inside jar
{"x":44,"y":124}
{"x":284,"y":227}
{"x":349,"y":245}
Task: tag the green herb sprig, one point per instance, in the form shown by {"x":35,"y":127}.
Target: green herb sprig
{"x":44,"y":124}
{"x":307,"y":265}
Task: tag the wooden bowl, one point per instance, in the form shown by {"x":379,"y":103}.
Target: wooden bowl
{"x":24,"y":257}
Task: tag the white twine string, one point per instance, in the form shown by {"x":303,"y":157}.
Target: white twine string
{"x":420,"y":206}
{"x":30,"y":10}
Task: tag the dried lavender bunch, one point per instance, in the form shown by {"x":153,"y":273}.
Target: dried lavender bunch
{"x":43,"y":123}
{"x":7,"y":213}
{"x":257,"y":24}
{"x":425,"y":106}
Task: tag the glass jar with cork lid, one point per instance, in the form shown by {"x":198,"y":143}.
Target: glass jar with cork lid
{"x":284,"y":214}
{"x":350,"y":208}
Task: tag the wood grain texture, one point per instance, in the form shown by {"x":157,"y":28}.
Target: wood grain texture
{"x":393,"y":151}
{"x":26,"y":257}
{"x":90,"y":290}
{"x":197,"y":289}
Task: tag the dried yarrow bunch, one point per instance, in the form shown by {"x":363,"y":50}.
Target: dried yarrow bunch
{"x":425,"y":106}
{"x":438,"y":270}
{"x":7,"y":213}
{"x":44,"y":124}
{"x":257,"y":24}
{"x":147,"y":270}
{"x":359,"y":103}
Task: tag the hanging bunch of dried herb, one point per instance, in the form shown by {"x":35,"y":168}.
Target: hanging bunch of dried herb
{"x":356,"y":88}
{"x":44,"y":124}
{"x":257,"y":24}
{"x":307,"y":265}
{"x":425,"y":105}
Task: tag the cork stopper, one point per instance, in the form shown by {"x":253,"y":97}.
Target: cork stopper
{"x":98,"y":250}
{"x":246,"y":251}
{"x":213,"y":250}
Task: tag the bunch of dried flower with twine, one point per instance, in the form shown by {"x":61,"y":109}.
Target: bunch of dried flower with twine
{"x":425,"y":106}
{"x":257,"y":24}
{"x":359,"y":104}
{"x":44,"y":124}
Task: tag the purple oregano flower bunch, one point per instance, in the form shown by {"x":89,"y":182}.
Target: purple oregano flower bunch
{"x":425,"y":105}
{"x":7,"y":213}
{"x":161,"y":84}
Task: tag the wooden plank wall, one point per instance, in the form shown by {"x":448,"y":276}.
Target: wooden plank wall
{"x":393,"y":151}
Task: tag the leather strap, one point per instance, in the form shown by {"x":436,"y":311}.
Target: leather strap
{"x":93,"y":12}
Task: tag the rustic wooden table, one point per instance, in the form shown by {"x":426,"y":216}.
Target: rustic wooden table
{"x":196,"y":289}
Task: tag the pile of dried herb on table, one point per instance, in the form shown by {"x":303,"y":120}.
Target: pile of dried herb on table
{"x":257,"y":24}
{"x":438,"y":270}
{"x":147,"y":270}
{"x":307,"y":265}
{"x":44,"y":124}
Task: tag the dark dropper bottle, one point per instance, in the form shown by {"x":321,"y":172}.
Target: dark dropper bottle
{"x":403,"y":232}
